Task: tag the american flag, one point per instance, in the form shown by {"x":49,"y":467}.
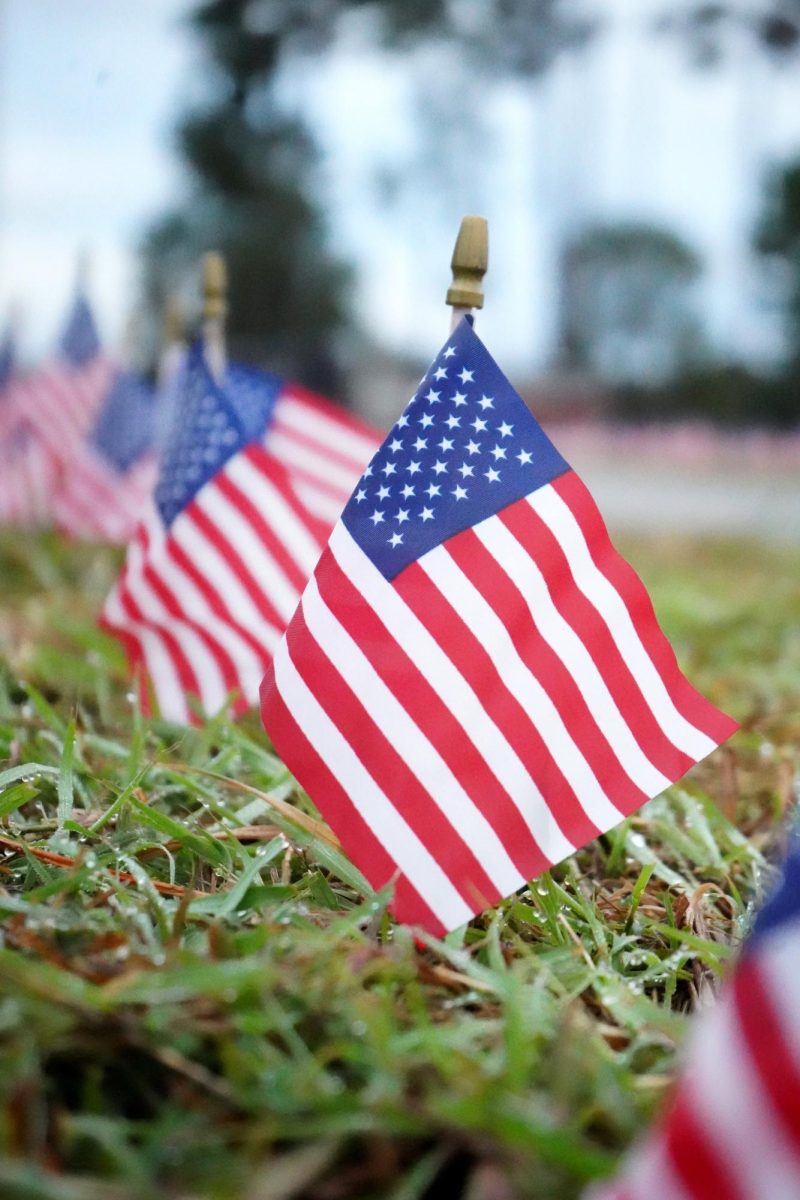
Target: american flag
{"x":475,"y":684}
{"x":253,"y":475}
{"x":732,"y":1129}
{"x":61,"y":399}
{"x":27,"y":470}
{"x":106,"y":483}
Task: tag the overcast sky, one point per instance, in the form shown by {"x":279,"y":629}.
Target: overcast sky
{"x":90,"y":88}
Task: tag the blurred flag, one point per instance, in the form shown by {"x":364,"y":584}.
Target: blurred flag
{"x":253,"y":475}
{"x":27,"y":471}
{"x":732,"y":1128}
{"x":475,"y":684}
{"x":106,"y":483}
{"x":7,"y":360}
{"x":62,"y":398}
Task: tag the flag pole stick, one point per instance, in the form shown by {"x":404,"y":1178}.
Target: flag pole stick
{"x":469,"y":262}
{"x":215,"y":306}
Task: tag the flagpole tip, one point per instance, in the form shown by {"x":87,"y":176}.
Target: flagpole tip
{"x":215,"y":286}
{"x":469,"y":263}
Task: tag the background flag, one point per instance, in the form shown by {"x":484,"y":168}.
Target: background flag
{"x":474,"y":683}
{"x":104,"y":488}
{"x":733,"y":1127}
{"x":253,"y":475}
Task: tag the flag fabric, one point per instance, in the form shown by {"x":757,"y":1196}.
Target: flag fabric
{"x":107,"y":481}
{"x":253,"y":474}
{"x":474,"y":683}
{"x":27,"y":471}
{"x":732,"y":1128}
{"x":62,"y":398}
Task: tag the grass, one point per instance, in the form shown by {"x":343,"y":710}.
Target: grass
{"x":201,"y":998}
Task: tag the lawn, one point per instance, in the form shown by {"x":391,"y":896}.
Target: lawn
{"x":200,"y":997}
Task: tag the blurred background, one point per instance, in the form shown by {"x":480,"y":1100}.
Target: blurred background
{"x":638,"y":161}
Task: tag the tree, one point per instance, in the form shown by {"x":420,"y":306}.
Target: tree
{"x":253,"y":165}
{"x":777,"y":240}
{"x":626,"y":304}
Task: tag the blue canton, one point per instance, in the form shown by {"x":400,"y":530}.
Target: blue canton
{"x":465,"y":447}
{"x":125,"y":427}
{"x":80,"y":341}
{"x":209,"y":425}
{"x":783,"y":907}
{"x":6,"y":358}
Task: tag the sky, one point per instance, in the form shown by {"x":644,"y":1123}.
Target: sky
{"x":89,"y":90}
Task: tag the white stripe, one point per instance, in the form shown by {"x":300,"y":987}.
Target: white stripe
{"x":403,"y":845}
{"x":454,"y":690}
{"x":736,"y":1116}
{"x":306,"y":419}
{"x":603,"y":596}
{"x":157,"y":659}
{"x":213,"y":691}
{"x":779,"y":955}
{"x":649,"y":1174}
{"x":521,"y":683}
{"x":421,"y":758}
{"x":297,"y":457}
{"x":237,"y":531}
{"x":249,"y":666}
{"x":321,"y":504}
{"x":279,"y":515}
{"x":561,"y":637}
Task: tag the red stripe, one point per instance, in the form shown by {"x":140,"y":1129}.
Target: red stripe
{"x":358,"y":840}
{"x":541,"y":544}
{"x":463,"y":647}
{"x":702,"y":1171}
{"x":771,"y":1057}
{"x":512,"y":609}
{"x":694,"y":707}
{"x":331,"y":412}
{"x":373,"y":747}
{"x":431,"y":716}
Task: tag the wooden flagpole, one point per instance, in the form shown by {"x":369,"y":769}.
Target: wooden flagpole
{"x":173,"y":340}
{"x":215,"y":307}
{"x":469,"y":262}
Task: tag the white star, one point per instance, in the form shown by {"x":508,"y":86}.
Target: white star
{"x":361,"y":494}
{"x":395,"y":445}
{"x":459,"y":492}
{"x":459,"y":399}
{"x":466,"y":376}
{"x":376,"y":517}
{"x":413,"y":468}
{"x":492,"y":475}
{"x":421,"y":443}
{"x":466,"y":469}
{"x":472,"y":447}
{"x":427,"y":514}
{"x":440,"y":373}
{"x":449,"y":352}
{"x":524,"y":457}
{"x":401,"y":515}
{"x":425,"y":420}
{"x":389,"y":468}
{"x":486,"y":402}
{"x":498,"y":452}
{"x":439,"y":467}
{"x":396,"y":540}
{"x":407,"y":491}
{"x":453,"y":422}
{"x":403,"y":421}
{"x":382,"y":492}
{"x":433,"y":489}
{"x":445,"y":444}
{"x":433,"y":397}
{"x":505,"y":429}
{"x":368,"y":471}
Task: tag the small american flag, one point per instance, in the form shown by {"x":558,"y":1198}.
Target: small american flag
{"x":474,"y":684}
{"x":106,"y":483}
{"x":27,"y":471}
{"x":253,"y":475}
{"x":732,"y":1130}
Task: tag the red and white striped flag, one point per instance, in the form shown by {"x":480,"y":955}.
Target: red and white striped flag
{"x":732,"y":1129}
{"x":474,"y":683}
{"x":27,"y":471}
{"x":253,"y":475}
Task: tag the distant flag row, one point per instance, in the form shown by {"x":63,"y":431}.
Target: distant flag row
{"x":452,"y":657}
